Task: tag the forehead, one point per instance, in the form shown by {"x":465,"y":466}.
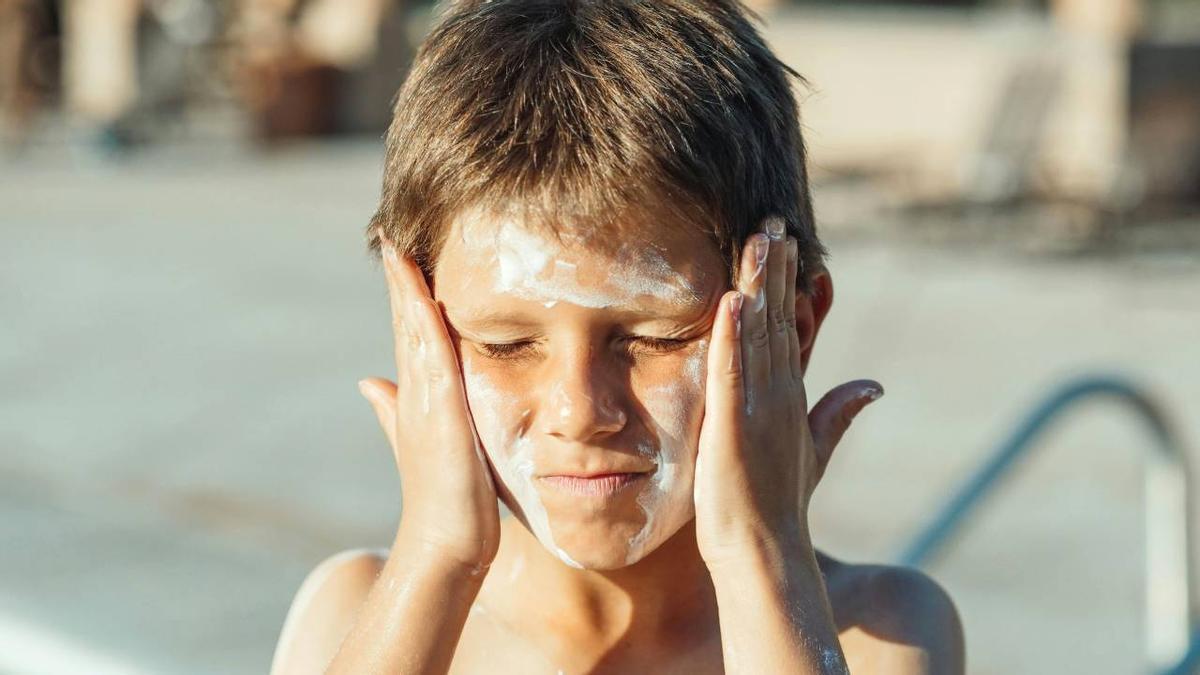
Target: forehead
{"x":646,"y":270}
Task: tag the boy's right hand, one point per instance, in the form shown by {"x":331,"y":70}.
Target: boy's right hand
{"x":450,"y":508}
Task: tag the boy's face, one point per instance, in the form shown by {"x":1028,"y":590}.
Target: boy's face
{"x":585,"y":376}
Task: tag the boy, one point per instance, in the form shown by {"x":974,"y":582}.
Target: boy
{"x":605,"y":285}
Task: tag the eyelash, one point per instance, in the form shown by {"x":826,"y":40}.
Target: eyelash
{"x":518,"y":350}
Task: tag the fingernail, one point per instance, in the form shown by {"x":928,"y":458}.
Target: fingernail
{"x":775,"y":228}
{"x":363,"y":388}
{"x":873,"y":393}
{"x":735,"y":309}
{"x":865,"y":397}
{"x":792,"y":250}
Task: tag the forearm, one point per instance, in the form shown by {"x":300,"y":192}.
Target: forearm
{"x":775,"y":615}
{"x":411,"y":620}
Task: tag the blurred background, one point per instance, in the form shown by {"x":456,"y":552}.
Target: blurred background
{"x":1010,"y":190}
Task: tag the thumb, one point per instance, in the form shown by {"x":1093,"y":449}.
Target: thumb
{"x":381,"y":394}
{"x":831,"y":416}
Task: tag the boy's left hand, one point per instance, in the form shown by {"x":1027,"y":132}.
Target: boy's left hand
{"x":760,"y":454}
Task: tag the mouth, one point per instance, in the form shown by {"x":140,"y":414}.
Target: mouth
{"x":595,"y":485}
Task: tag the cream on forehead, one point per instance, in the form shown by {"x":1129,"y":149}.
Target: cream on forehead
{"x":533,"y":267}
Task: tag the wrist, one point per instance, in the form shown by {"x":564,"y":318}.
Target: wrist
{"x":775,"y":603}
{"x":773,"y":550}
{"x":429,"y":558}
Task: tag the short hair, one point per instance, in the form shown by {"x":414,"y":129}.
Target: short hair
{"x":597,"y":113}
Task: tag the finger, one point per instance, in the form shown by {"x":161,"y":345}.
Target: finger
{"x":404,"y":335}
{"x":831,"y":416}
{"x":412,"y":278}
{"x":755,"y":334}
{"x":405,"y":282}
{"x":778,"y":315}
{"x":441,"y":384}
{"x":725,"y":386}
{"x":795,"y":357}
{"x":381,"y":394}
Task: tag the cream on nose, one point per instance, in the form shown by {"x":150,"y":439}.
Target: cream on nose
{"x":579,"y":408}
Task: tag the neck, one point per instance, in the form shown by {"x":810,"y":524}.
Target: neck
{"x":663,"y":598}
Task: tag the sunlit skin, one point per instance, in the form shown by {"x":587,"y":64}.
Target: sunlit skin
{"x":599,"y":394}
{"x":726,"y":579}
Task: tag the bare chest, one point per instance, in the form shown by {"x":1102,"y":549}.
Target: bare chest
{"x":493,"y":646}
{"x":489,"y":645}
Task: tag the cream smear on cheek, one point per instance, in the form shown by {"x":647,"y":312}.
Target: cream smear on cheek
{"x":511,"y":451}
{"x":667,"y":501}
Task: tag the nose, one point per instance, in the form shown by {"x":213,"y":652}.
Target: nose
{"x":581,"y":401}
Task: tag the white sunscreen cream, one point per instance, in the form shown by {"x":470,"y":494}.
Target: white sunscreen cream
{"x":667,"y":500}
{"x":534,"y":267}
{"x":531,"y":267}
{"x":511,"y":452}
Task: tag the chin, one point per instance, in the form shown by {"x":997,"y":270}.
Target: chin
{"x":602,"y":533}
{"x":596,"y":550}
{"x":606,"y":546}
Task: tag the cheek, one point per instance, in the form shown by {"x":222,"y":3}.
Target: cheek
{"x":675,"y":410}
{"x":676,"y":400}
{"x":676,"y":407}
{"x":493,"y":410}
{"x":498,"y":415}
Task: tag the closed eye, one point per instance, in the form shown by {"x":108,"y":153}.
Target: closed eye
{"x":656,"y":344}
{"x":506,"y":350}
{"x":634,"y":343}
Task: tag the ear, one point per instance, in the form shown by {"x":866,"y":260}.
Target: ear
{"x":811,"y":309}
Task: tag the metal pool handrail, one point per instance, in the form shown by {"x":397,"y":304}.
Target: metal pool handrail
{"x":1169,"y":626}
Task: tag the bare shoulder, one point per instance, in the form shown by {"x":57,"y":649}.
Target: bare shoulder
{"x":324,"y":610}
{"x":894,"y":619}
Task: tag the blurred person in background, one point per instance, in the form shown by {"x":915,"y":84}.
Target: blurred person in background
{"x":97,"y":61}
{"x":118,"y":68}
{"x":318,"y":67}
{"x":27,"y":71}
{"x":100,"y":74}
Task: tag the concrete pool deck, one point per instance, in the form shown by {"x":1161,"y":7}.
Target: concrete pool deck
{"x":182,"y":438}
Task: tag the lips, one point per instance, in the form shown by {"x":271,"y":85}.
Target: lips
{"x":593,"y":485}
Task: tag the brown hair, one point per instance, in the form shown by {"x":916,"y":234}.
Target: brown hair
{"x":595,"y":113}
